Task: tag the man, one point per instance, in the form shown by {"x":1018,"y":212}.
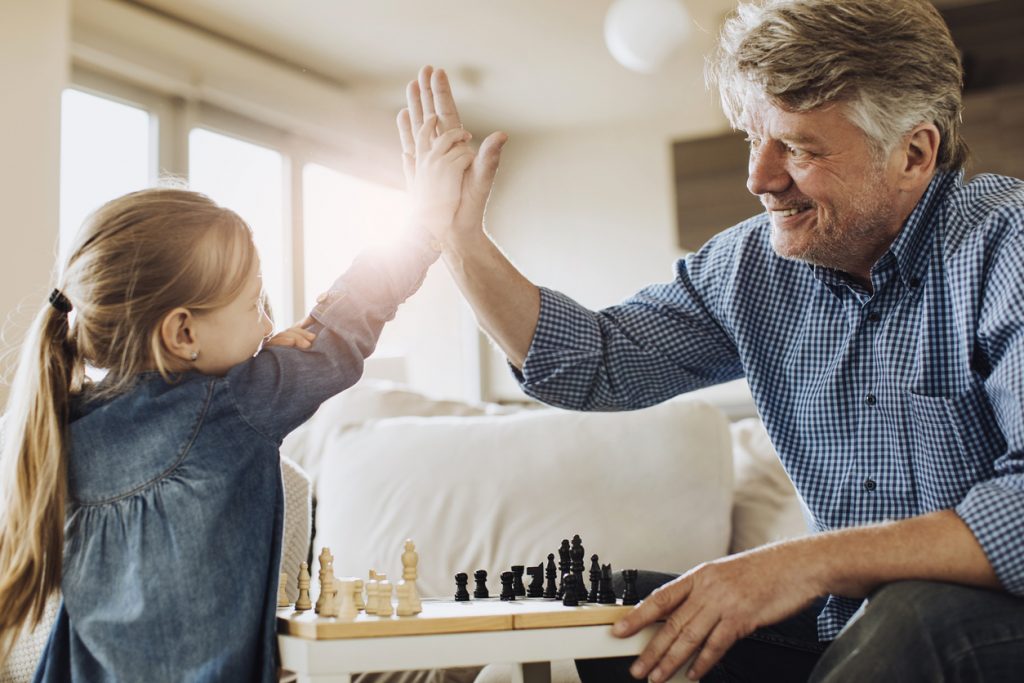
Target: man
{"x":875,"y":309}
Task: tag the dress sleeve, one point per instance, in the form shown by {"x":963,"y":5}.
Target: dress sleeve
{"x":665,"y":340}
{"x":281,"y":387}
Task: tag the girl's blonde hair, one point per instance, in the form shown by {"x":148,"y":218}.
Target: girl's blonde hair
{"x":136,"y":259}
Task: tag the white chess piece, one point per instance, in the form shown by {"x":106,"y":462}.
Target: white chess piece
{"x":347,"y":611}
{"x":360,"y":603}
{"x":371,"y":593}
{"x":384,"y":607}
{"x":329,"y":606}
{"x":282,"y":595}
{"x":326,"y":577}
{"x":303,"y":602}
{"x":410,"y":566}
{"x":405,"y":606}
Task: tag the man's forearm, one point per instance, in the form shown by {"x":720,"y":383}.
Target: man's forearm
{"x":507,"y":305}
{"x":934,"y":547}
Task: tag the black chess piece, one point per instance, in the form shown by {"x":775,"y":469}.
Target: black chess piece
{"x":606,"y":594}
{"x":517,"y":580}
{"x":536,"y":587}
{"x":629,"y":596}
{"x":550,"y":589}
{"x":480,"y":576}
{"x":576,"y":553}
{"x":507,"y":591}
{"x":461,"y":594}
{"x":571,"y":598}
{"x":595,"y":579}
{"x":563,"y":566}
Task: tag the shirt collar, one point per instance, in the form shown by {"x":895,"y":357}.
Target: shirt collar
{"x":909,"y":248}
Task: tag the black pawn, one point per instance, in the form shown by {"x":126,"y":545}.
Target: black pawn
{"x":570,"y":599}
{"x":507,"y":592}
{"x":517,"y":580}
{"x":563,"y":566}
{"x":536,"y":589}
{"x":480,"y":576}
{"x":461,"y":594}
{"x":606,"y":595}
{"x":595,"y":579}
{"x":550,"y":589}
{"x":576,"y":554}
{"x":629,"y":596}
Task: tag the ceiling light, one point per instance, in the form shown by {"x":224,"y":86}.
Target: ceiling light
{"x":642,"y":34}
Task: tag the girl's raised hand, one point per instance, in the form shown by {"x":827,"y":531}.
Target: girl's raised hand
{"x":435,"y":172}
{"x":296,"y":336}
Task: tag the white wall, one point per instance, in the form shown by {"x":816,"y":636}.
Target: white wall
{"x":33,"y":69}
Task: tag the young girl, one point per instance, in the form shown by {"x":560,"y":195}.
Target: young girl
{"x":149,"y":498}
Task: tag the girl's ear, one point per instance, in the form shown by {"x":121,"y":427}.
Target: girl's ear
{"x":177,"y":331}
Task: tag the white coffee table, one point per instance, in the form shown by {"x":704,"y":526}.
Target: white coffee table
{"x":528,"y":634}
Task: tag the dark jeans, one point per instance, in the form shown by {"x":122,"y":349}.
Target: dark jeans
{"x":911,"y":631}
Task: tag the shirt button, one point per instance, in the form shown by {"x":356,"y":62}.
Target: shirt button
{"x":870,"y":399}
{"x":874,"y":317}
{"x":869,"y":484}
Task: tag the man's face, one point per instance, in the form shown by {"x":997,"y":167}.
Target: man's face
{"x":831,"y":201}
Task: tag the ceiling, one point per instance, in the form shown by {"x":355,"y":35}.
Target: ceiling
{"x":517,"y":65}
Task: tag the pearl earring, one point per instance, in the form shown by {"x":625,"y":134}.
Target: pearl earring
{"x":195,"y":355}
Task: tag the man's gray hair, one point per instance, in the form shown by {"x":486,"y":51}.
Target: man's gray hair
{"x":891,"y":63}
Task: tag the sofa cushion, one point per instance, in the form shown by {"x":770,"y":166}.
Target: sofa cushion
{"x":650,"y":489}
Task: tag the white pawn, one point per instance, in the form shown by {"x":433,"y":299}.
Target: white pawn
{"x":282,"y":594}
{"x":410,"y":566}
{"x":360,"y":603}
{"x":347,"y":611}
{"x":371,"y":593}
{"x":384,"y":608}
{"x":405,"y":607}
{"x":329,"y":606}
{"x":303,"y":603}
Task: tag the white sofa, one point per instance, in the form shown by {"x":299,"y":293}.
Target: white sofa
{"x":481,"y":486}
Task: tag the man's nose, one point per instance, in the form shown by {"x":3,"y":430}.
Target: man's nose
{"x":766,"y":172}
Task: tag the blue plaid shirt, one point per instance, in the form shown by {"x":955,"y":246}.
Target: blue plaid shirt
{"x":882,"y":405}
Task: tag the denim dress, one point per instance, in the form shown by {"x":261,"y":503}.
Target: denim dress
{"x":174,"y":522}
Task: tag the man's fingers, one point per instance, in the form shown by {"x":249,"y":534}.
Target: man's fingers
{"x":684,"y":625}
{"x":715,"y":647}
{"x":655,"y":606}
{"x":412,"y":101}
{"x":425,"y":136}
{"x":444,"y":102}
{"x":405,"y":134}
{"x":426,"y":96}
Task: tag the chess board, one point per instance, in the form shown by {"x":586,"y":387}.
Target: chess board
{"x":447,"y":616}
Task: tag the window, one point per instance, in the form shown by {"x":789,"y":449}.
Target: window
{"x":106,"y":151}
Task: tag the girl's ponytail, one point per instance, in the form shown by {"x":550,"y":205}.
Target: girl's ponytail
{"x":33,"y":471}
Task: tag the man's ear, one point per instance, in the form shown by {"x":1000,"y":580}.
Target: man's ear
{"x":178,"y":334}
{"x":920,"y":154}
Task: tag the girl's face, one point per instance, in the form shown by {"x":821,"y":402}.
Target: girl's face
{"x":233,"y":333}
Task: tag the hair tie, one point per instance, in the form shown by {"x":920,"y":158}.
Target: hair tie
{"x":60,"y":302}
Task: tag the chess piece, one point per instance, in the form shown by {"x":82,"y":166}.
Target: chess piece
{"x":371,"y":593}
{"x":576,"y":554}
{"x":563,"y":566}
{"x":550,"y":589}
{"x":536,"y":589}
{"x":303,"y":603}
{"x":410,"y":569}
{"x":360,"y":603}
{"x":629,"y":596}
{"x":329,"y":604}
{"x":282,"y":594}
{"x":347,"y":610}
{"x":480,"y":576}
{"x":384,"y":606}
{"x":595,"y":579}
{"x":507,"y":591}
{"x":570,"y":598}
{"x":461,"y":593}
{"x":405,"y":606}
{"x":517,"y":581}
{"x":326,"y":577}
{"x":606,"y":594}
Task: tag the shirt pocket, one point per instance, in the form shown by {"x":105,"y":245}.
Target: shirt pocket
{"x":954,"y":442}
